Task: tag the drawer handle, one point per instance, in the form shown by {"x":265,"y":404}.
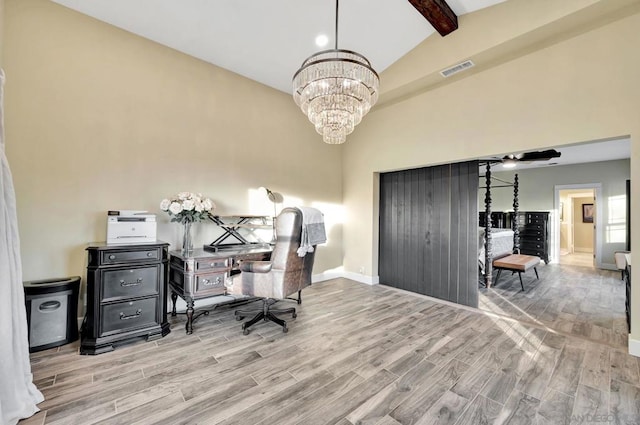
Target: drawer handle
{"x":207,"y":282}
{"x":112,"y":257}
{"x":149,"y":254}
{"x":136,"y":283}
{"x":131,"y":316}
{"x":49,"y":306}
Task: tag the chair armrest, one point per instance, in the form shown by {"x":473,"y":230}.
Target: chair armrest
{"x":255,"y":266}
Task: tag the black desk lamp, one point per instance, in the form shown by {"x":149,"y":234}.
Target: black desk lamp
{"x":274,"y":198}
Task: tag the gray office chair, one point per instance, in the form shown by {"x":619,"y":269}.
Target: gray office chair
{"x":283,"y":275}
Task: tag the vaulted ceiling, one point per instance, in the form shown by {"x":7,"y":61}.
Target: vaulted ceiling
{"x":267,"y":41}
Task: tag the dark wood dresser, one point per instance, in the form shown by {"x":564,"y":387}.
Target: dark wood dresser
{"x":126,"y":295}
{"x":534,"y":234}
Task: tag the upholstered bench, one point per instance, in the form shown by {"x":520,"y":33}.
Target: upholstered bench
{"x":516,"y":263}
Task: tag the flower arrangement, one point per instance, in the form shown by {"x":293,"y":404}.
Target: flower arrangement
{"x":187,"y":207}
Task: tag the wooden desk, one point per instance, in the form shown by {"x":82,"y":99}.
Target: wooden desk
{"x":201,"y":274}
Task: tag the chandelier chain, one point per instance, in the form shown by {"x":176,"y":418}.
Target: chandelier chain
{"x":336,"y":44}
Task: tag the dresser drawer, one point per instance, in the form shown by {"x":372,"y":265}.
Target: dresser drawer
{"x":537,"y":216}
{"x":532,"y":245}
{"x":528,"y":231}
{"x":130,"y":256}
{"x":128,"y":315}
{"x":131,"y":282}
{"x":532,"y":251}
{"x":533,"y":227}
{"x":538,"y":238}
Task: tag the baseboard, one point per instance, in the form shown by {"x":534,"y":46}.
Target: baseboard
{"x":583,"y":250}
{"x":369,"y":280}
{"x":609,"y":266}
{"x":634,"y":347}
{"x":339,"y":272}
{"x":327,"y":275}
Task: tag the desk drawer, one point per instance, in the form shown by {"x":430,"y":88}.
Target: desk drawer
{"x":119,"y":317}
{"x":203,"y":264}
{"x":210,"y":283}
{"x":199,"y":265}
{"x":196,"y":286}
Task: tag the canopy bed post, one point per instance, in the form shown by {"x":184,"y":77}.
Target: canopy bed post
{"x":514,"y":224}
{"x":488,"y":265}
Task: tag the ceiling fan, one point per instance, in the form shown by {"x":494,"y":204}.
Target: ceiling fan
{"x":510,"y":161}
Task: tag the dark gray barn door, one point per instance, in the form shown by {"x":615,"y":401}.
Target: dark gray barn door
{"x":429,"y":231}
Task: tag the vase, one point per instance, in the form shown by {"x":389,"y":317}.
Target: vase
{"x":187,"y":241}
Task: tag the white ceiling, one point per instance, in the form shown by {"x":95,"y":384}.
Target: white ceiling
{"x":582,"y":153}
{"x":267,"y":41}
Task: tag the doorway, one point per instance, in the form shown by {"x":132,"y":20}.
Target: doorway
{"x":576,"y":235}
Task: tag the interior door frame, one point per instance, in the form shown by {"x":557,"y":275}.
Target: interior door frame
{"x":555,"y":221}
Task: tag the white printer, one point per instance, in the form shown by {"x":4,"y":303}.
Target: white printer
{"x":129,"y":226}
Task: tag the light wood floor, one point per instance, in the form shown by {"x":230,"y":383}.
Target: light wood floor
{"x":584,"y":259}
{"x":356,"y":354}
{"x":580,"y":301}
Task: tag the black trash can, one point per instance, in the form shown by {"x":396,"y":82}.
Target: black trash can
{"x":52,"y":308}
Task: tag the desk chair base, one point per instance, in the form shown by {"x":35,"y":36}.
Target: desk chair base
{"x":267,"y":314}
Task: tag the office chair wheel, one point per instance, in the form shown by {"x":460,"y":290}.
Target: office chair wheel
{"x":239,"y":318}
{"x":294,"y":315}
{"x":285,"y":329}
{"x":245,"y":332}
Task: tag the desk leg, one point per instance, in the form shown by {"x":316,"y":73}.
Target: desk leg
{"x":189,"y":325}
{"x":174,"y":298}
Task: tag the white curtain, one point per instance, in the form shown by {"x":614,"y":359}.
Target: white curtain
{"x":18,"y":394}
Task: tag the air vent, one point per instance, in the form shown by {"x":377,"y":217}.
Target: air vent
{"x":457,"y":68}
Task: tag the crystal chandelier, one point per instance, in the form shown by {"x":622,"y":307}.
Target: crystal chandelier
{"x":335,"y":89}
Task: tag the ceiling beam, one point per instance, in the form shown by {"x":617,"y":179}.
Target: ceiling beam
{"x":439,"y":15}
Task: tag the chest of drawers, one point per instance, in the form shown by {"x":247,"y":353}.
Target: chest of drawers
{"x":126,"y":295}
{"x":534,"y":234}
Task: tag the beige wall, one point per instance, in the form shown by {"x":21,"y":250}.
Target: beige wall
{"x":100,"y":119}
{"x":581,"y":89}
{"x":582,"y":232}
{"x":1,"y":30}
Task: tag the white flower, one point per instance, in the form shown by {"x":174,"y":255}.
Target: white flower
{"x":175,"y":208}
{"x":187,"y":207}
{"x":208,"y":204}
{"x":188,"y":204}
